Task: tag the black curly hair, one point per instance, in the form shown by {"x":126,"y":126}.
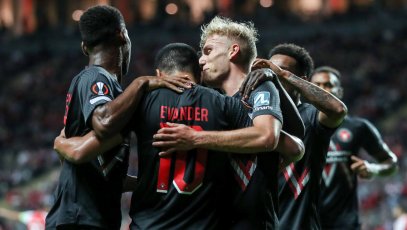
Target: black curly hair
{"x":100,"y":24}
{"x":303,"y":58}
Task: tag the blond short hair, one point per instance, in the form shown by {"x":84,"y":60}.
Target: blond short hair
{"x":243,"y":33}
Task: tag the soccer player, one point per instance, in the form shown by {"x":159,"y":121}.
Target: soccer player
{"x":185,"y":190}
{"x":228,"y":50}
{"x":339,"y":202}
{"x":299,"y":183}
{"x":82,"y":189}
{"x":88,"y":195}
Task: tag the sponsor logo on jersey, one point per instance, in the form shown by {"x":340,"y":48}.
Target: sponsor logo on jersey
{"x":336,"y":154}
{"x":344,"y":135}
{"x":99,"y":88}
{"x":336,"y":157}
{"x":262,"y":99}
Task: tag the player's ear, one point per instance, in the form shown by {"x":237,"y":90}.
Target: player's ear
{"x":234,"y":52}
{"x":121,"y":35}
{"x":339,"y":92}
{"x":84,"y":49}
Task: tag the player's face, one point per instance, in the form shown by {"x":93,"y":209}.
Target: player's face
{"x":287,"y":63}
{"x":215,"y":60}
{"x":126,"y":52}
{"x":328,"y":82}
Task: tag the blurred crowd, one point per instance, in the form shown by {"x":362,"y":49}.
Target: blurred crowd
{"x":34,"y":82}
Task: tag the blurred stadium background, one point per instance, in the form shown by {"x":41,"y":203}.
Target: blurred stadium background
{"x":40,"y":53}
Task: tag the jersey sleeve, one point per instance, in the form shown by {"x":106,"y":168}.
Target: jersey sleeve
{"x":266,"y":101}
{"x":311,"y":115}
{"x":236,"y":113}
{"x":373,"y":143}
{"x":94,"y":89}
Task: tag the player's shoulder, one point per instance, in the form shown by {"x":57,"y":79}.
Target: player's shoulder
{"x":208,"y":92}
{"x":357,"y":121}
{"x":92,"y":72}
{"x":266,"y":85}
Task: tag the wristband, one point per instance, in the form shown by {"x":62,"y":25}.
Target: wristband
{"x":373,"y":168}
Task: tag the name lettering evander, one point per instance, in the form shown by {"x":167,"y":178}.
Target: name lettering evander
{"x":186,"y":113}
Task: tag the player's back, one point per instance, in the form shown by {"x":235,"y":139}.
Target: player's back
{"x":186,"y":190}
{"x":89,"y":193}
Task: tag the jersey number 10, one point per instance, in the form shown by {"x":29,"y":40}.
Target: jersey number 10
{"x":180,"y":163}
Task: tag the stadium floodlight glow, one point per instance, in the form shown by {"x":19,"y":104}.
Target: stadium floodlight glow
{"x":76,"y":15}
{"x":171,"y":8}
{"x":266,"y":3}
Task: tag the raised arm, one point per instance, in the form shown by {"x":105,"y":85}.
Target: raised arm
{"x":110,"y":118}
{"x":294,"y":124}
{"x":332,"y":110}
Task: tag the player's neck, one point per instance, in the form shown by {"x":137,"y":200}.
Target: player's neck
{"x":233,"y":82}
{"x":107,"y":59}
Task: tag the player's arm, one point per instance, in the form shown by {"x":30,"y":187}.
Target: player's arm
{"x":9,"y":214}
{"x":256,"y":77}
{"x":108,"y":119}
{"x":253,"y":139}
{"x":290,"y":147}
{"x":332,"y":110}
{"x":261,"y":137}
{"x":375,"y":146}
{"x":82,"y":149}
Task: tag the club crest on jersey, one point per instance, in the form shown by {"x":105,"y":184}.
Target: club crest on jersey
{"x":99,"y":88}
{"x":344,"y":135}
{"x":261,"y":98}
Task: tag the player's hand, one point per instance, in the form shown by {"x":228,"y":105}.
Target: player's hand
{"x":254,"y":79}
{"x":264,"y":63}
{"x":359,"y":167}
{"x":175,"y":83}
{"x":174,"y":137}
{"x":56,"y":142}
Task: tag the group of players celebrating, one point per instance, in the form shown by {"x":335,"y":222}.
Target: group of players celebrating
{"x":224,"y":140}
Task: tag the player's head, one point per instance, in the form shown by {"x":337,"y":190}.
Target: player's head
{"x":328,"y":78}
{"x":295,"y":59}
{"x":225,"y":43}
{"x":104,"y":26}
{"x":178,"y":58}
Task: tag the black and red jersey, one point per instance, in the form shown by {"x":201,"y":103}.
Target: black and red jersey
{"x":188,"y":190}
{"x":89,"y":193}
{"x":299,"y":183}
{"x":339,"y":202}
{"x":255,"y":192}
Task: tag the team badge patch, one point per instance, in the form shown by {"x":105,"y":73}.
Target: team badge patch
{"x":261,"y":98}
{"x":344,"y":135}
{"x":99,"y":88}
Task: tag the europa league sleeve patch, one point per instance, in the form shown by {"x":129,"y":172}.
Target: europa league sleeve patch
{"x":100,"y":89}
